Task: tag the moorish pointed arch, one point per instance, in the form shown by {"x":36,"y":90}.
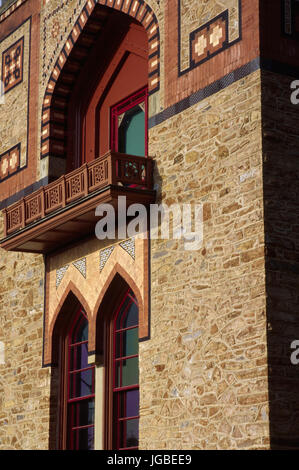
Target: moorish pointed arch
{"x":115,"y":287}
{"x":75,"y":50}
{"x":71,"y":300}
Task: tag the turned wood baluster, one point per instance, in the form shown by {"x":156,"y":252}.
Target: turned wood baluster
{"x":63,"y":191}
{"x":112,"y":164}
{"x":23,"y":213}
{"x":42,"y":201}
{"x":85,"y":179}
{"x":5,"y":222}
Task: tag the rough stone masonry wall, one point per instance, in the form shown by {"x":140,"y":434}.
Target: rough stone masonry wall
{"x":24,"y":384}
{"x":203,"y":374}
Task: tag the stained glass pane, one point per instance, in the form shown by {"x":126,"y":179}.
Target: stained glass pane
{"x":120,"y":318}
{"x":127,"y":343}
{"x":127,"y":372}
{"x":81,"y":383}
{"x":129,"y":403}
{"x":131,"y":318}
{"x":79,"y":357}
{"x":80,"y":332}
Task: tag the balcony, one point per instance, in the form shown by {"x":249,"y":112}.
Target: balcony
{"x":64,"y":211}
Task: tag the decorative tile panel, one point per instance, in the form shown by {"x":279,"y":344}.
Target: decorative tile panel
{"x":209,"y":39}
{"x":104,"y":256}
{"x":129,"y":247}
{"x":60,"y":274}
{"x":205,"y":29}
{"x":14,"y":108}
{"x":81,"y":266}
{"x":12,"y":65}
{"x":10,"y":162}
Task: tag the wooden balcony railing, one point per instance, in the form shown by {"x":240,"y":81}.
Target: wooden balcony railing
{"x":111,"y":169}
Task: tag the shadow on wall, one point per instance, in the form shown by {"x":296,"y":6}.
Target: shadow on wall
{"x":281,"y":211}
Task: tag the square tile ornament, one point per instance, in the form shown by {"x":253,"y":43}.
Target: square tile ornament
{"x":209,"y":39}
{"x":10,"y":162}
{"x":12,"y":65}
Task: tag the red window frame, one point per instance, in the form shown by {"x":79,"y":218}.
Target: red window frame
{"x":118,"y":391}
{"x":123,"y":106}
{"x":73,"y":416}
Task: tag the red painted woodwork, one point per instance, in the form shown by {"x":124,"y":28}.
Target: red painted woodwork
{"x":119,"y":70}
{"x":80,"y":393}
{"x":139,"y":97}
{"x":110,"y":169}
{"x":122,"y":404}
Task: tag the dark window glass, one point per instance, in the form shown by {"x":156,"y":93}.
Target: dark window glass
{"x":80,"y":387}
{"x":126,"y":375}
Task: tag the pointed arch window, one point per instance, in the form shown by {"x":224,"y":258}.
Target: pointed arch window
{"x":80,"y":386}
{"x":126,"y":374}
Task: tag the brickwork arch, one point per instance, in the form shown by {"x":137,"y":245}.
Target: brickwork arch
{"x":60,"y":84}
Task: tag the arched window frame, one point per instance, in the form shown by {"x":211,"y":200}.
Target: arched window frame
{"x":68,"y":403}
{"x":112,"y":434}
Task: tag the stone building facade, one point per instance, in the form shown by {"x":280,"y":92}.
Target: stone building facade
{"x":213,"y":81}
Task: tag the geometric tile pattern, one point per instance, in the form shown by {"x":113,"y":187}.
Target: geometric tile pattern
{"x":60,"y":273}
{"x":12,"y":65}
{"x":15,"y":85}
{"x":199,"y":40}
{"x":129,"y":247}
{"x":137,"y":9}
{"x":81,"y":266}
{"x":10,"y":162}
{"x":104,"y":256}
{"x":209,"y":39}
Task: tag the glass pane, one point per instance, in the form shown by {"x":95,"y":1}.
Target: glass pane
{"x":81,"y":383}
{"x":131,"y":132}
{"x":127,"y":343}
{"x":80,"y":332}
{"x":129,"y":433}
{"x":127,"y":372}
{"x":85,"y":412}
{"x":79,"y":357}
{"x":81,"y":413}
{"x":84,"y":438}
{"x":129,"y":403}
{"x":120,"y":317}
{"x":131,"y":318}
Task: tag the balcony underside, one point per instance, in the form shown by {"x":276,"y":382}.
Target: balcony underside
{"x":71,"y":223}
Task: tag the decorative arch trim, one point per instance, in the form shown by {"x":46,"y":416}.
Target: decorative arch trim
{"x":142,"y":303}
{"x":48,"y":341}
{"x":54,"y":108}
